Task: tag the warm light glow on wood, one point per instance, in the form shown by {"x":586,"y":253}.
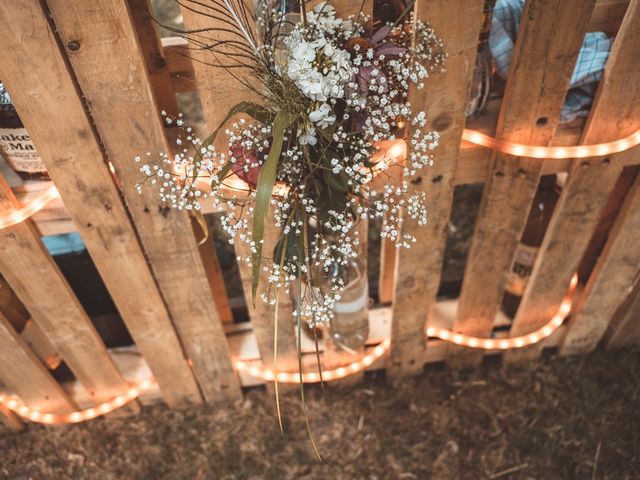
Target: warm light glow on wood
{"x":579,"y":151}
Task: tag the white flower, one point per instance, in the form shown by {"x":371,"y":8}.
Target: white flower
{"x":307,"y":136}
{"x":304,"y":52}
{"x":323,"y":116}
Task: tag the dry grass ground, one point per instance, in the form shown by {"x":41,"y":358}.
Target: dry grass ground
{"x":561,"y":418}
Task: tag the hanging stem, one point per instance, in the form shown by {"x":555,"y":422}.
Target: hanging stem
{"x":304,"y":405}
{"x":275,"y":361}
{"x":275,"y":341}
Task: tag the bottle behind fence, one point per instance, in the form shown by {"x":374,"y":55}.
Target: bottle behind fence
{"x":539,"y":217}
{"x":15,"y":143}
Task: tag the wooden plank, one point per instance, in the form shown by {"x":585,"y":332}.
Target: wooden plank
{"x":39,"y":284}
{"x":615,"y":272}
{"x":549,"y":40}
{"x":625,"y":329}
{"x":9,"y":421}
{"x":214,"y":273}
{"x":25,"y":375}
{"x":219,"y":91}
{"x":444,"y":99}
{"x":607,"y":16}
{"x":154,"y":55}
{"x":19,"y":317}
{"x":615,"y":114}
{"x":346,"y":8}
{"x":179,"y":64}
{"x":387,"y":276}
{"x":49,"y":104}
{"x":109,"y":46}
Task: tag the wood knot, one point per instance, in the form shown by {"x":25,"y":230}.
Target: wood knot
{"x":442,"y":122}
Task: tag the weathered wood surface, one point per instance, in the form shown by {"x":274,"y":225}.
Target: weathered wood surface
{"x":625,"y":329}
{"x":25,"y":375}
{"x":615,"y":114}
{"x":128,"y":123}
{"x":39,"y":284}
{"x":614,"y":274}
{"x":549,"y":39}
{"x":48,"y":101}
{"x":154,"y":55}
{"x":444,"y":99}
{"x":207,"y":248}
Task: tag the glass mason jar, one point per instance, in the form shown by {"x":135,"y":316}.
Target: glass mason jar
{"x":349,"y":328}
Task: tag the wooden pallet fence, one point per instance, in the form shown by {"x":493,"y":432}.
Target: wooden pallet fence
{"x":170,"y":292}
{"x":544,"y":56}
{"x":615,"y":113}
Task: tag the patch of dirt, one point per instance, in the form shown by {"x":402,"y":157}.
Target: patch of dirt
{"x":572,"y":418}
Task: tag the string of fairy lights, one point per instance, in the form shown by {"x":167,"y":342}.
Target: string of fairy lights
{"x":19,"y":215}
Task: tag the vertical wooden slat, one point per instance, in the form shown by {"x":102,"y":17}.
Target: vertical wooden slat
{"x":128,"y":123}
{"x":617,"y":267}
{"x":444,"y":99}
{"x":25,"y":375}
{"x":549,"y":39}
{"x":154,"y":57}
{"x":219,"y":91}
{"x":214,"y":273}
{"x":625,"y":330}
{"x":387,"y":278}
{"x":615,"y":114}
{"x":49,"y":104}
{"x":345,"y":8}
{"x":39,"y":284}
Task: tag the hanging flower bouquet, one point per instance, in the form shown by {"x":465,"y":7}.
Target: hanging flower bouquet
{"x":323,"y":146}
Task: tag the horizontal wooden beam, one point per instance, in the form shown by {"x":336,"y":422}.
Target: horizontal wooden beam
{"x":243,"y":344}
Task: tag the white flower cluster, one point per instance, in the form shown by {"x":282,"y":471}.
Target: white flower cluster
{"x":318,"y":66}
{"x":349,"y":90}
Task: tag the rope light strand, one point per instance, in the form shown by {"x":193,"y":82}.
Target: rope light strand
{"x":579,"y":151}
{"x":19,"y":215}
{"x":78,"y":416}
{"x":307,"y":377}
{"x":472,"y":136}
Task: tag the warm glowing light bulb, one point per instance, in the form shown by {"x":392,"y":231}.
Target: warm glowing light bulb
{"x":398,"y":150}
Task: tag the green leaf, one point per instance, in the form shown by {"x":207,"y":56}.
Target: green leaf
{"x":266,"y":181}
